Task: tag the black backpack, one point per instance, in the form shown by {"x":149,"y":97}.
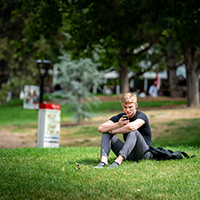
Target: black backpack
{"x":162,"y":154}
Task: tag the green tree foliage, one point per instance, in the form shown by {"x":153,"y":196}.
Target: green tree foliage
{"x":15,"y":70}
{"x":43,"y":20}
{"x":77,"y":78}
{"x":182,"y":22}
{"x":123,"y":30}
{"x":19,"y":49}
{"x":120,"y":27}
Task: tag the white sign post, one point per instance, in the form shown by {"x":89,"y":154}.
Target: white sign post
{"x":48,"y":125}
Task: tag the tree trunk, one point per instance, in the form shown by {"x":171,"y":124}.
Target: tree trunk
{"x":124,"y":86}
{"x":192,"y":76}
{"x":172,"y":67}
{"x":173,"y":82}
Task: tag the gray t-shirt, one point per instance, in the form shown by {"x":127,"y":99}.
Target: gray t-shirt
{"x":144,"y":130}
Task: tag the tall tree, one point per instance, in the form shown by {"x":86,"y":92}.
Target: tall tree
{"x":171,"y":47}
{"x":23,"y":39}
{"x":119,"y":27}
{"x":14,"y":70}
{"x":185,"y":26}
{"x":174,"y":60}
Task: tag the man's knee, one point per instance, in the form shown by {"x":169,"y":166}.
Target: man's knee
{"x":135,"y":133}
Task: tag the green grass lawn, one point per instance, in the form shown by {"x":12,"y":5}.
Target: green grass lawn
{"x":51,"y":173}
{"x":180,"y":132}
{"x":14,"y":114}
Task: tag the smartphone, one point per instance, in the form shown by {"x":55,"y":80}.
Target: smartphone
{"x":125,"y":117}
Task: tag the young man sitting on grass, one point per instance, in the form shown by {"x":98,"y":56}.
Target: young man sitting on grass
{"x":136,"y":133}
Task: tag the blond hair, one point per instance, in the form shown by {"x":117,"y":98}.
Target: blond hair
{"x":128,"y":98}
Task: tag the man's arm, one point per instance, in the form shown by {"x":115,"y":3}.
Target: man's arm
{"x":110,"y":125}
{"x":129,"y":127}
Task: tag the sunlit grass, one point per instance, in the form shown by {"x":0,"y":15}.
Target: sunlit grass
{"x":52,"y":173}
{"x":180,"y":132}
{"x":43,"y":173}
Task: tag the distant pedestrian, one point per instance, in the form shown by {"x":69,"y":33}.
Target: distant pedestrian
{"x":153,"y":90}
{"x":142,"y":94}
{"x":137,"y":92}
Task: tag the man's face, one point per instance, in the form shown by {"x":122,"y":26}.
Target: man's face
{"x":130,"y":109}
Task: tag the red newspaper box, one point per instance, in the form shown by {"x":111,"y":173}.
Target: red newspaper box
{"x":48,"y":125}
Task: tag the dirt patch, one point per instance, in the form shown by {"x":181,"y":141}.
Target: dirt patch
{"x":12,"y":139}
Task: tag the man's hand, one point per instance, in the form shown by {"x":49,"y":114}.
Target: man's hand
{"x":122,"y":122}
{"x":110,"y":125}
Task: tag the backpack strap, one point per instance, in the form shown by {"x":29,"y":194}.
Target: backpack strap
{"x":176,"y":153}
